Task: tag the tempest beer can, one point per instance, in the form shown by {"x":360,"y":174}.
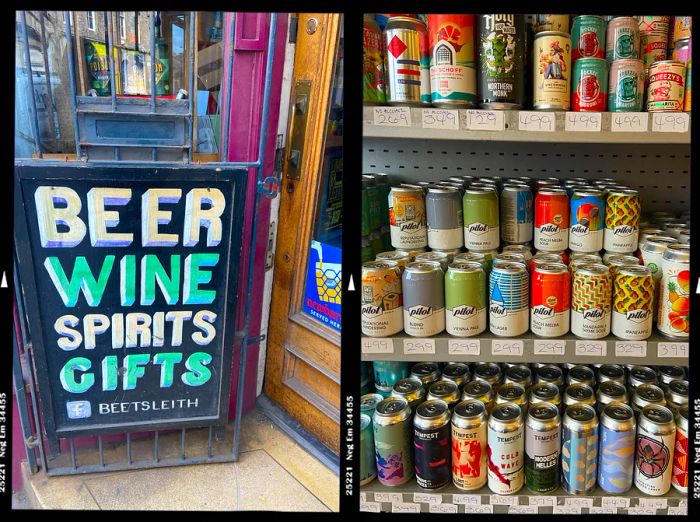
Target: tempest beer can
{"x":513,"y":393}
{"x":519,"y":374}
{"x":424,"y":299}
{"x":373,"y":62}
{"x":392,"y":441}
{"x":656,"y":440}
{"x":508,"y":299}
{"x":456,"y":372}
{"x":609,"y":392}
{"x":516,"y":214}
{"x":386,"y":373}
{"x":645,"y":395}
{"x":402,"y":40}
{"x":382,"y":304}
{"x":551,"y":70}
{"x":480,"y":390}
{"x":506,"y":448}
{"x":481,"y":219}
{"x":427,"y":372}
{"x":465,"y":299}
{"x":617,"y":444}
{"x":588,"y":37}
{"x":679,"y":477}
{"x":632,"y":309}
{"x":444,"y":390}
{"x":622,"y":213}
{"x":626,"y":86}
{"x":411,"y":389}
{"x":469,"y":445}
{"x":579,"y":449}
{"x":622,"y":39}
{"x":551,"y":220}
{"x":407,"y":218}
{"x":431,"y":444}
{"x":542,"y":444}
{"x":443,"y":209}
{"x":589,"y":85}
{"x":550,"y":300}
{"x":591,"y":302}
{"x":674,"y":296}
{"x":666,"y":86}
{"x":490,"y":373}
{"x":587,"y":220}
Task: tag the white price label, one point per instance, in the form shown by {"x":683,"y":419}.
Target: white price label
{"x":377,"y":345}
{"x":654,"y":503}
{"x":583,"y":121}
{"x":578,"y":502}
{"x":405,"y":507}
{"x":442,"y":508}
{"x":536,"y":121}
{"x":485,"y":120}
{"x":506,"y":347}
{"x":641,"y":511}
{"x":566,"y":510}
{"x":536,"y":500}
{"x":667,"y":349}
{"x":629,"y":122}
{"x":363,"y":496}
{"x":388,"y":497}
{"x":418,"y":346}
{"x":677,"y":510}
{"x":532,"y":510}
{"x":615,"y":502}
{"x":372,"y":507}
{"x":592,"y":348}
{"x":503,"y":500}
{"x":447,"y":119}
{"x":630,"y":349}
{"x":427,"y":498}
{"x":464,"y":347}
{"x":670,"y":122}
{"x":602,"y":510}
{"x":478,"y":509}
{"x":392,"y":116}
{"x":550,"y":347}
{"x":470,"y":500}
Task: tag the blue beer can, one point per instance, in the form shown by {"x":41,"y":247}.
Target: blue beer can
{"x":618,"y":430}
{"x":368,"y":464}
{"x":579,"y":449}
{"x":386,"y":373}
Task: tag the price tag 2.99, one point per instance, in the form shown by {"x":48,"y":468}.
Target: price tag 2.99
{"x":630,"y":349}
{"x":583,"y":121}
{"x":418,"y":346}
{"x":371,"y":345}
{"x":670,"y":122}
{"x":536,"y":121}
{"x":550,"y":347}
{"x":392,"y":116}
{"x":629,"y":122}
{"x":464,"y":347}
{"x":591,"y":348}
{"x":446,"y":119}
{"x":485,"y":120}
{"x":506,"y":347}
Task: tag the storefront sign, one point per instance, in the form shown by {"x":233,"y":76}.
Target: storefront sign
{"x":129,"y":276}
{"x":322,"y":297}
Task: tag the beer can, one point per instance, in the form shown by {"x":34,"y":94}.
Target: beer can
{"x":589,"y":85}
{"x":506,"y":448}
{"x":622,"y":213}
{"x":444,"y":390}
{"x":432,"y":444}
{"x":480,"y":390}
{"x":677,"y":395}
{"x":551,"y":220}
{"x":407,"y":218}
{"x":412,"y":253}
{"x":668,"y":374}
{"x":550,"y":300}
{"x":427,"y":372}
{"x":545,"y":392}
{"x":622,"y":39}
{"x":490,"y":373}
{"x":639,"y":375}
{"x":682,"y":27}
{"x":518,"y":374}
{"x":587,"y":220}
{"x":653,"y":47}
{"x":679,"y":477}
{"x":542,"y":444}
{"x":645,"y":395}
{"x":443,"y":208}
{"x":543,"y":258}
{"x":411,"y":389}
{"x":650,"y":24}
{"x":611,"y":372}
{"x":579,"y":449}
{"x":502,"y":49}
{"x":425,"y":88}
{"x":666,"y":86}
{"x":651,"y":255}
{"x":674,"y":296}
{"x":469,"y":445}
{"x":402,"y":38}
{"x":522,"y":249}
{"x":579,"y":393}
{"x":393,"y":441}
{"x":440,"y":258}
{"x":401,"y":258}
{"x":673,"y":229}
{"x":509,"y":257}
{"x":583,"y":259}
{"x":516,"y":214}
{"x":508,"y":299}
{"x":656,"y":439}
{"x":456,"y":372}
{"x":551,"y":22}
{"x":452,"y":60}
{"x":481,"y":219}
{"x":366,"y":378}
{"x":646,"y":232}
{"x":386,"y":373}
{"x":617,"y":443}
{"x":684,"y":235}
{"x":368,"y":464}
{"x":477,"y":257}
{"x":424,"y":299}
{"x":609,"y":392}
{"x":551,"y":374}
{"x":373,"y":62}
{"x":368,"y":403}
{"x":632,"y":309}
{"x":551,"y":70}
{"x":588,"y":37}
{"x":513,"y":393}
{"x":465,"y":299}
{"x":591,"y":302}
{"x":382,"y":304}
{"x":581,"y":374}
{"x":626,"y":86}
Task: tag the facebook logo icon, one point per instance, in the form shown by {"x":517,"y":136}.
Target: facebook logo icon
{"x":78,"y":409}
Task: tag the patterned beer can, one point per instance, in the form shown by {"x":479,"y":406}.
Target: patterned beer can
{"x":666,"y":86}
{"x":427,"y":372}
{"x":516,"y":214}
{"x":591,"y":297}
{"x":481,"y":219}
{"x":550,"y":300}
{"x":653,"y":47}
{"x":382,"y":303}
{"x":407,"y":218}
{"x":542,"y":445}
{"x":443,"y":209}
{"x":393,"y":441}
{"x":682,"y":27}
{"x":508,"y":300}
{"x":633,"y":298}
{"x":617,"y":443}
{"x":680,"y":453}
{"x":456,"y":372}
{"x":401,"y":258}
{"x":424,"y":299}
{"x":368,"y":403}
{"x":587,"y":220}
{"x":444,"y":390}
{"x":622,"y":212}
{"x":609,"y":392}
{"x":589,"y":84}
{"x":622,"y":39}
{"x":402,"y":38}
{"x":368,"y":463}
{"x":431,"y":444}
{"x":469,"y":445}
{"x":674,"y":296}
{"x":373,"y":62}
{"x":579,"y":449}
{"x":588,"y":37}
{"x":465,"y":299}
{"x":551,"y":22}
{"x":506,"y":448}
{"x":552,"y":71}
{"x":386,"y":373}
{"x":411,"y":389}
{"x":656,"y":440}
{"x":480,"y":390}
{"x":551,"y":220}
{"x":440,"y":258}
{"x":452,"y":60}
{"x":626,"y":87}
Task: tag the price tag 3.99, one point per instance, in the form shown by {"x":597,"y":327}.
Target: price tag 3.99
{"x":668,"y":349}
{"x":392,"y":116}
{"x":630,"y":349}
{"x":506,"y":347}
{"x":446,"y":119}
{"x":536,"y":121}
{"x":583,"y":121}
{"x":485,"y":120}
{"x":670,"y":122}
{"x":418,"y":346}
{"x":464,"y":347}
{"x":372,"y":345}
{"x":629,"y":122}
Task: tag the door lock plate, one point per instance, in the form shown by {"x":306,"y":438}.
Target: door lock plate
{"x":297,"y":132}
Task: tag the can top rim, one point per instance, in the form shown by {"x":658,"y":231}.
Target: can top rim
{"x":379,"y":264}
{"x":480,"y":189}
{"x":585,"y":191}
{"x":623,"y":191}
{"x":516,"y":187}
{"x":638,"y":270}
{"x":423,"y":267}
{"x":666,"y":61}
{"x":390,"y":255}
{"x":505,"y":412}
{"x":404,"y":188}
{"x":589,"y":16}
{"x":551,"y":268}
{"x":657,"y":414}
{"x":581,"y":413}
{"x":506,"y":266}
{"x":622,"y":60}
{"x":552,"y":33}
{"x":391,"y":406}
{"x":405,"y":18}
{"x":465,"y":266}
{"x":427,"y":256}
{"x":442,"y":189}
{"x":660,"y":239}
{"x":592,"y":269}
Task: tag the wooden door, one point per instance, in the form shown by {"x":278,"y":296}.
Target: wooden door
{"x":303,"y":362}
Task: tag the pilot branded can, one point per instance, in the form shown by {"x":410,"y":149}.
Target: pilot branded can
{"x":368,"y":403}
{"x":373,"y":62}
{"x":590,"y":302}
{"x":587,"y":220}
{"x":392,"y":441}
{"x":626,"y":86}
{"x":589,"y":85}
{"x":543,"y":258}
{"x":579,"y":449}
{"x":542,"y":445}
{"x":622,"y":38}
{"x":682,"y":27}
{"x":579,"y":393}
{"x":386,"y":373}
{"x":513,"y":393}
{"x":633,"y":298}
{"x":427,"y":372}
{"x":401,"y":258}
{"x":611,"y":372}
{"x":609,"y":392}
{"x":551,"y":59}
{"x":523,"y":250}
{"x":456,"y":372}
{"x":679,"y":477}
{"x":411,"y":389}
{"x":407,"y":218}
{"x":382,"y":308}
{"x":506,"y":448}
{"x":402,"y":40}
{"x":656,"y":439}
{"x":666,"y":86}
{"x":424,"y":299}
{"x":440,"y":258}
{"x":588,"y":37}
{"x":674,"y":296}
{"x":368,"y":463}
{"x":516,"y":214}
{"x":465,"y":299}
{"x":622,"y":212}
{"x":444,"y":390}
{"x":580,"y":374}
{"x":617,"y":444}
{"x":443,"y":208}
{"x":452,"y":60}
{"x":481,"y":220}
{"x":469,"y":445}
{"x":550,"y":300}
{"x":646,"y":395}
{"x":431,"y":444}
{"x":508,"y":299}
{"x":551,"y":220}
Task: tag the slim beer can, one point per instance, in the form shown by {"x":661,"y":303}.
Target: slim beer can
{"x":452,"y":60}
{"x":618,"y":428}
{"x":674,"y":296}
{"x":587,"y":220}
{"x":465,"y":299}
{"x":402,"y":40}
{"x":508,"y":299}
{"x":579,"y":449}
{"x":431,"y":444}
{"x":368,"y":463}
{"x":550,"y":300}
{"x":469,"y":445}
{"x":542,"y":448}
{"x":516,"y":214}
{"x":633,"y":297}
{"x":506,"y":448}
{"x":622,"y":214}
{"x":382,"y":304}
{"x":393,"y":441}
{"x":551,"y":70}
{"x":591,"y":297}
{"x":481,"y":219}
{"x":551,"y":220}
{"x":424,"y":299}
{"x":443,"y":208}
{"x":656,"y":440}
{"x":679,"y":478}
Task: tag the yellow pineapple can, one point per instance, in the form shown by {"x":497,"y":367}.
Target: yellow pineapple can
{"x":382,"y":303}
{"x":622,"y":213}
{"x":633,"y":297}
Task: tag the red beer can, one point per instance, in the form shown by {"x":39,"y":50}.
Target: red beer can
{"x":550,"y":300}
{"x":551,"y":220}
{"x":542,"y":258}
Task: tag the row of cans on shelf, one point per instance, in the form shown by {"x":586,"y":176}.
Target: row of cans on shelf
{"x":452,"y":388}
{"x":411,"y":61}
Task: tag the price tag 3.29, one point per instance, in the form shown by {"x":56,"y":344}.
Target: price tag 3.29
{"x":485,"y":120}
{"x":583,"y":121}
{"x":591,"y":348}
{"x":464,"y":347}
{"x":550,"y":347}
{"x":536,"y":121}
{"x":630,"y":349}
{"x":446,"y":119}
{"x":506,"y":347}
{"x":372,"y":345}
{"x":673,"y":350}
{"x":418,"y":346}
{"x":629,"y":122}
{"x":670,"y":122}
{"x":392,"y":116}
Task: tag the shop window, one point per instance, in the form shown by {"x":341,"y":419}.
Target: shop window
{"x":91,"y":20}
{"x":122,"y":26}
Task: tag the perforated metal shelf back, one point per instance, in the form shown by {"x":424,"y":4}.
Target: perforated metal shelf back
{"x":661,"y":173}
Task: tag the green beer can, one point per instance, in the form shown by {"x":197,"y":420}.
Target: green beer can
{"x":368,"y":466}
{"x":465,"y":299}
{"x":374,"y":204}
{"x":481,"y":219}
{"x":393,"y":441}
{"x":626,"y":88}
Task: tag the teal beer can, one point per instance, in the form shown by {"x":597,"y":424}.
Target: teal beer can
{"x":386,"y":373}
{"x":368,"y":465}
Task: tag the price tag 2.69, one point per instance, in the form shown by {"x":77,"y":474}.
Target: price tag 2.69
{"x":392,"y":116}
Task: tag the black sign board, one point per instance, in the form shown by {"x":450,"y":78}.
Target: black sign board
{"x":129,"y":277}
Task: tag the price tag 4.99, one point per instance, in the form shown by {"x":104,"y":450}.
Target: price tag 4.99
{"x":629,"y":122}
{"x":583,"y":121}
{"x":670,"y":122}
{"x":392,"y":116}
{"x":371,"y":345}
{"x":536,"y":121}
